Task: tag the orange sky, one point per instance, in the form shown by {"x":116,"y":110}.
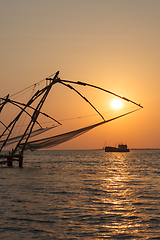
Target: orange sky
{"x":112,"y":44}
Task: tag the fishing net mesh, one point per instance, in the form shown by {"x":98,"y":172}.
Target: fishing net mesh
{"x":58,"y":139}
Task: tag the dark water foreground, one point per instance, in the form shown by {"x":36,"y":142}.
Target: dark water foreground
{"x":81,"y":195}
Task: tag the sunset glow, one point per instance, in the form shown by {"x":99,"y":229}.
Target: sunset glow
{"x":110,"y":44}
{"x":116,"y":104}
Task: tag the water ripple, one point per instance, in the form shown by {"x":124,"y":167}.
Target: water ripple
{"x":82,"y":195}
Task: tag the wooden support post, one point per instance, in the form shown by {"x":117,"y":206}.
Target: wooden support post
{"x":9,"y":161}
{"x":20,"y":161}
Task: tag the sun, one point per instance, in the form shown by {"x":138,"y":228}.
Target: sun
{"x":116,"y":104}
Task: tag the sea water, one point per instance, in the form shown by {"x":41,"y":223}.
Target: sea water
{"x":87,"y":194}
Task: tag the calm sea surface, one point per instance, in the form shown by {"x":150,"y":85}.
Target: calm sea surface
{"x":81,"y":195}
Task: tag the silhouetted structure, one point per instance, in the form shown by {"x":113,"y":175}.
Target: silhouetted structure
{"x":22,"y":142}
{"x":121,"y":148}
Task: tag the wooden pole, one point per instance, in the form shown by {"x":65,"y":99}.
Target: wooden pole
{"x":9,"y":161}
{"x":20,"y":161}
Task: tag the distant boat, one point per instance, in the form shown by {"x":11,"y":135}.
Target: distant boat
{"x":121,"y":148}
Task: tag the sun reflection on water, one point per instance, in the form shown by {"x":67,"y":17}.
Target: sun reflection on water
{"x":118,"y":197}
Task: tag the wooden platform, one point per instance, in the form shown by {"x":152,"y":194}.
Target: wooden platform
{"x":9,"y":159}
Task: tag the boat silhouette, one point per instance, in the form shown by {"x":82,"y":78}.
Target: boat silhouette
{"x":120,"y":148}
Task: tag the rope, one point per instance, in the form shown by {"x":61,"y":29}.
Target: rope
{"x":33,"y":85}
